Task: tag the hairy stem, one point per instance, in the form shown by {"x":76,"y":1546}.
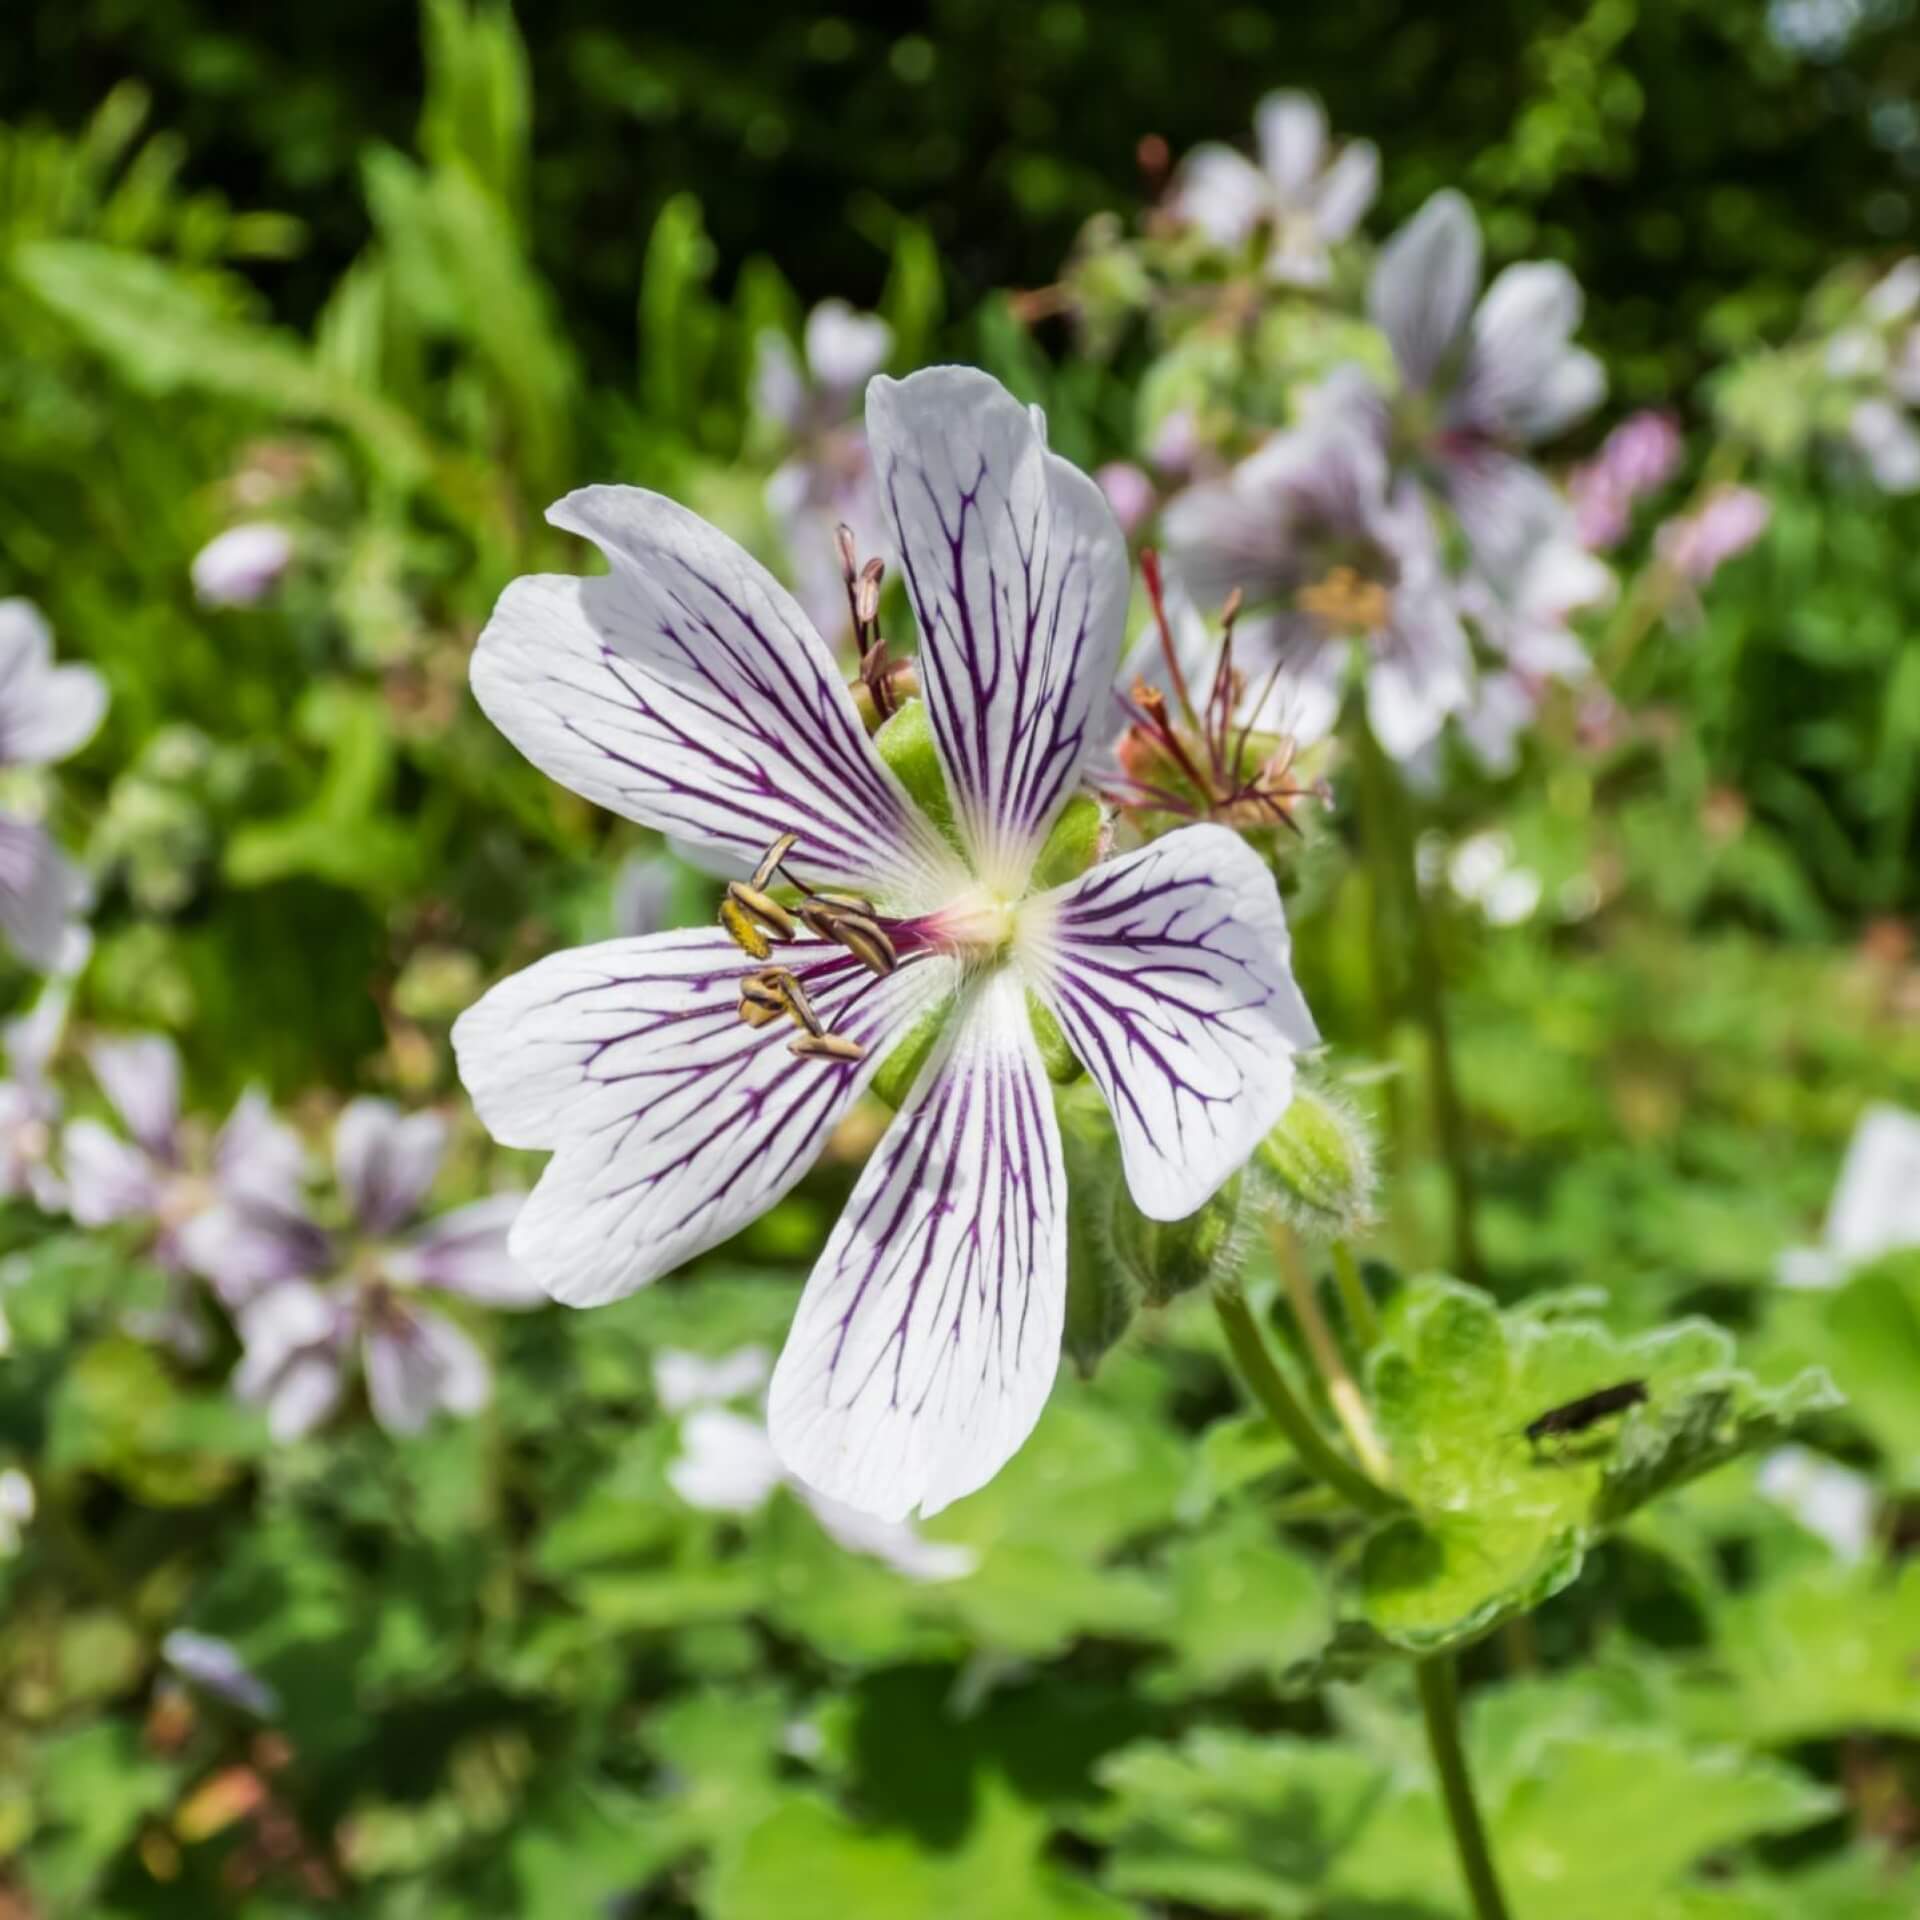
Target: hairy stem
{"x":1392,"y":840}
{"x":1343,"y":1391}
{"x":1270,"y":1387}
{"x":1362,"y":1322}
{"x":1440,"y":1707}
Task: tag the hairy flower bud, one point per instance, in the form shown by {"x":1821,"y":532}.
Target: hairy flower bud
{"x":1166,"y":1258}
{"x":1317,"y":1166}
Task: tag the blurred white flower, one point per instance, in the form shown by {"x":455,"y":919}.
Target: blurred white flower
{"x":1483,"y":872}
{"x":240,"y":567}
{"x":46,"y":713}
{"x":1829,"y":1500}
{"x":215,"y":1666}
{"x":299,"y":1337}
{"x":1875,"y":1208}
{"x":1316,"y":534}
{"x":826,"y":480}
{"x":30,"y":1103}
{"x":1305,"y":194}
{"x":1885,"y":437}
{"x":16,"y":1509}
{"x":727,"y":1464}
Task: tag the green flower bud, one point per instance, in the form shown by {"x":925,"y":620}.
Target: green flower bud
{"x":1317,"y":1166}
{"x":1166,"y":1258}
{"x":1102,"y":1297}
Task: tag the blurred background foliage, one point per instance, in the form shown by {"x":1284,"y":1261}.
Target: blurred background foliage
{"x":400,"y":281}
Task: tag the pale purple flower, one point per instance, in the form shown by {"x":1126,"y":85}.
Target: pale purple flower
{"x":30,"y":1103}
{"x":826,"y":480}
{"x":1130,"y":493}
{"x":727,"y":1464}
{"x":1636,"y":459}
{"x":1697,"y":545}
{"x":300,"y":1337}
{"x":1481,"y":377}
{"x":215,"y":1667}
{"x":1313,"y":527}
{"x":1304,"y":196}
{"x":46,"y":713}
{"x":233,"y":1215}
{"x":1885,"y":437}
{"x":685,"y":690}
{"x":240,"y":567}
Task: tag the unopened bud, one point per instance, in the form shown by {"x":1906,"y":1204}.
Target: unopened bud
{"x":1102,"y":1295}
{"x":1166,"y":1258}
{"x":1317,"y":1166}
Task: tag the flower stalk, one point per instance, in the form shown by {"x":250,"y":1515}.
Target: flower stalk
{"x":1439,"y":1684}
{"x":1343,"y":1391}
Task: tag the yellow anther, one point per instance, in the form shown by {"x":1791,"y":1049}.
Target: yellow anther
{"x":1345,"y":601}
{"x":743,"y":931}
{"x":761,"y":999}
{"x":826,"y":1046}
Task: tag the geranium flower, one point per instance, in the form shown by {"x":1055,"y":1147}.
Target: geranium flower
{"x":727,"y":1464}
{"x":685,"y":690}
{"x":300,"y":1337}
{"x":231,"y":1213}
{"x":1313,"y":527}
{"x":826,"y":480}
{"x":1481,"y":377}
{"x":240,"y":567}
{"x":46,"y":713}
{"x":1308,"y":196}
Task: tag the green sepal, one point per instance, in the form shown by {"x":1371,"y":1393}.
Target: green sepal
{"x":1072,"y":846}
{"x":1061,"y":1062}
{"x":1168,"y":1258}
{"x":906,"y":744}
{"x":901,"y":1068}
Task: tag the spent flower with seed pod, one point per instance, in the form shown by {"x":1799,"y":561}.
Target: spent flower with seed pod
{"x":685,"y":1081}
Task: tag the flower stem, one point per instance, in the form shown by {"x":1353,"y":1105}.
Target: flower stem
{"x":1392,"y":838}
{"x":1269,"y":1386}
{"x":1343,"y":1391}
{"x":1362,"y":1322}
{"x":1440,"y":1707}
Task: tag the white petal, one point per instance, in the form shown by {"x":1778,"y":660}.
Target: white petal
{"x":240,"y":567}
{"x":845,"y":349}
{"x":41,"y":891}
{"x":418,"y":1365}
{"x":682,"y":1380}
{"x":1423,"y":286}
{"x":1222,"y":193}
{"x":305,"y":1394}
{"x":686,"y":690}
{"x":898,"y":1544}
{"x":386,"y":1160}
{"x":1523,"y":381}
{"x":929,"y":1333}
{"x":216,"y":1665}
{"x":726,"y":1462}
{"x":243,"y":1246}
{"x":46,"y":712}
{"x":1347,"y":190}
{"x":107,"y":1178}
{"x":258,"y":1158}
{"x":779,"y":386}
{"x":140,"y":1074}
{"x":1829,"y":1500}
{"x":467,"y":1252}
{"x":1018,"y":575}
{"x":1506,"y":506}
{"x":1876,"y":1203}
{"x":1168,"y":970}
{"x":673,"y":1122}
{"x":1291,"y":131}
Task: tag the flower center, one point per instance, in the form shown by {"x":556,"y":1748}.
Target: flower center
{"x":1343,"y":600}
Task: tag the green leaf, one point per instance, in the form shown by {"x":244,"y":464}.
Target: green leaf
{"x":1244,"y":1607}
{"x":1499,"y":1523}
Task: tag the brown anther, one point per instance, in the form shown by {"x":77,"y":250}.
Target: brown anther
{"x":798,"y":1005}
{"x":849,"y":553}
{"x":762,"y":907}
{"x":743,"y":931}
{"x":866,"y":592}
{"x":770,"y":861}
{"x":761,"y":999}
{"x":867,"y":941}
{"x":826,"y":1046}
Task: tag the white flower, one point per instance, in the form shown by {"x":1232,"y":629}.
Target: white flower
{"x":46,"y":713}
{"x":1483,"y":872}
{"x":727,"y":1464}
{"x":16,"y":1509}
{"x":1875,"y":1208}
{"x":1313,"y":528}
{"x":685,"y":690}
{"x":1308,"y":198}
{"x":1826,"y":1498}
{"x":240,"y":567}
